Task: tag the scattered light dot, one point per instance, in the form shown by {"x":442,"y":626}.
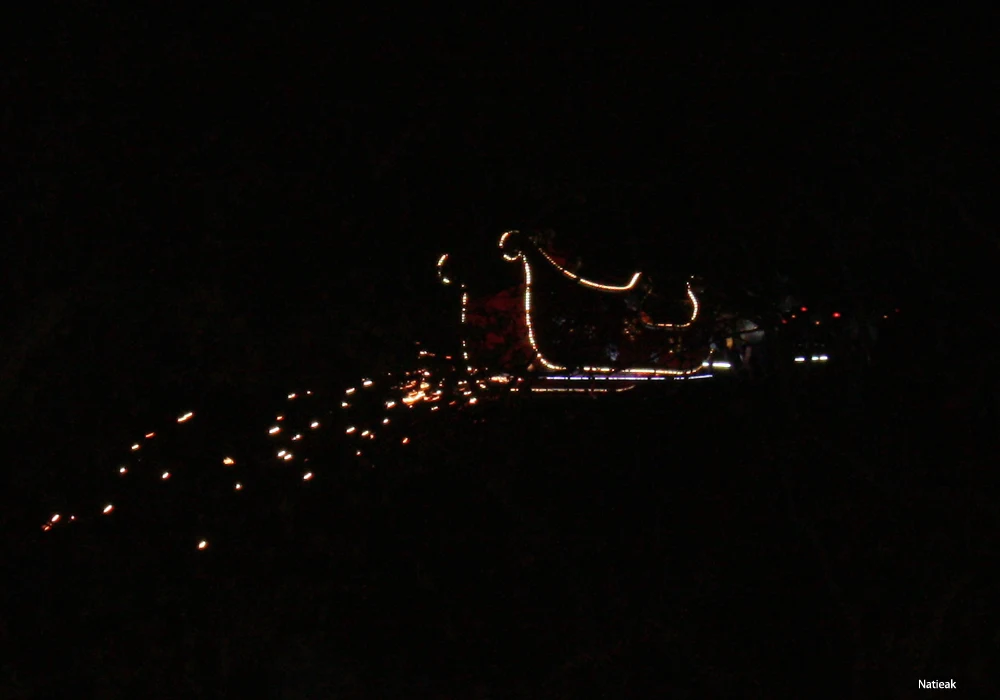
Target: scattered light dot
{"x":309,"y":393}
{"x":350,"y":430}
{"x":55,"y":518}
{"x":836,"y":314}
{"x":274,"y":430}
{"x":185,"y":417}
{"x":288,"y":456}
{"x":314,"y":424}
{"x":367,"y":382}
{"x":108,"y":508}
{"x":358,"y":453}
{"x":228,"y":461}
{"x":46,"y":527}
{"x":150,"y":435}
{"x":291,"y":396}
{"x":473,"y":400}
{"x":350,"y":391}
{"x":135,"y":447}
{"x":202,"y":545}
{"x":72,"y":517}
{"x":123,"y":470}
{"x":307,"y":476}
{"x":406,"y":440}
{"x":166,"y":475}
{"x":280,"y":418}
{"x":344,"y":404}
{"x":283,"y":453}
{"x":385,"y":421}
{"x":297,"y":437}
{"x":363,"y":433}
{"x":804,"y":309}
{"x":390,"y":404}
{"x":238,"y":486}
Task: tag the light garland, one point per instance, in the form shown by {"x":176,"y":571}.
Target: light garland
{"x":679,"y":326}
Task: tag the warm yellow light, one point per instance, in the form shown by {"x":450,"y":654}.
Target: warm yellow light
{"x":291,"y":396}
{"x":238,"y":486}
{"x":274,"y":430}
{"x":123,"y":470}
{"x":406,"y":440}
{"x":135,"y":447}
{"x":297,"y":437}
{"x":203,"y":544}
{"x":108,"y":508}
{"x":228,"y":460}
{"x":314,"y":424}
{"x":165,"y":476}
{"x":150,"y":435}
{"x":185,"y":417}
{"x":307,"y":476}
{"x":288,"y":457}
{"x":350,"y":429}
{"x":55,"y":518}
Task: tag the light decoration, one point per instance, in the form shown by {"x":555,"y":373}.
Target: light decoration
{"x":203,"y":545}
{"x":440,"y":269}
{"x":307,"y":476}
{"x":679,"y":326}
{"x":123,"y":470}
{"x":238,"y":486}
{"x":135,"y":447}
{"x":275,"y":430}
{"x":185,"y":418}
{"x":165,"y":476}
{"x":108,"y":508}
{"x":533,"y":341}
{"x":150,"y":435}
{"x":314,"y":424}
{"x":228,"y":461}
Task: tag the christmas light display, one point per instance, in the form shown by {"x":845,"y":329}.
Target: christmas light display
{"x":438,"y":383}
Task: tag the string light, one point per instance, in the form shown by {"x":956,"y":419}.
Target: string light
{"x":430,"y":390}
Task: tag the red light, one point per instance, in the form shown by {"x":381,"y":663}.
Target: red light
{"x":836,"y":314}
{"x":784,"y":320}
{"x":897,"y":311}
{"x":804,"y":309}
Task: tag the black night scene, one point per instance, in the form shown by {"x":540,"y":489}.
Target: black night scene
{"x":499,"y":353}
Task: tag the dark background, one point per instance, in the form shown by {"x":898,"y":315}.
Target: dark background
{"x":206,"y":209}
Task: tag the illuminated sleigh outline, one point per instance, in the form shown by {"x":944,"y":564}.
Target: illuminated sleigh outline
{"x":547,"y":374}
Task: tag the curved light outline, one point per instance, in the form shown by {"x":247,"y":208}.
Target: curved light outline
{"x":549,"y":365}
{"x":571,"y":275}
{"x":440,"y":269}
{"x":686,"y":324}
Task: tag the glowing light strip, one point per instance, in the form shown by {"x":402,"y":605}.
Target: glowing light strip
{"x":554,"y":367}
{"x":440,"y":269}
{"x":527,"y":315}
{"x":588,"y":283}
{"x":687,"y":324}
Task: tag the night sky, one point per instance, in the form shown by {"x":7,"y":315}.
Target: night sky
{"x":208,"y":210}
